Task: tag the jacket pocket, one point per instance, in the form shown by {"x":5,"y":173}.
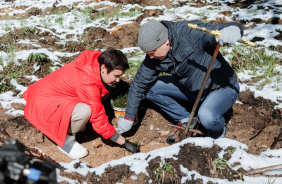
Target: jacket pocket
{"x":181,"y":56}
{"x":52,"y":114}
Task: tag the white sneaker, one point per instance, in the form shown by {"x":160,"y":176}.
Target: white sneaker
{"x":72,"y":148}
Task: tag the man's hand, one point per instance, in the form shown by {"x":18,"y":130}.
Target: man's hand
{"x":229,"y":36}
{"x":124,"y":125}
{"x":131,"y":147}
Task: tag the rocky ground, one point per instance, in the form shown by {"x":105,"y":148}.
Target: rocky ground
{"x":254,"y":122}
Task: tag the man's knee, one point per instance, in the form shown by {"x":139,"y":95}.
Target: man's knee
{"x":205,"y":116}
{"x":151,"y":94}
{"x":211,"y":121}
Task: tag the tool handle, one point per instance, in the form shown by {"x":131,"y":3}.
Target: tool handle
{"x":217,"y":33}
{"x":183,"y":128}
{"x":202,"y":87}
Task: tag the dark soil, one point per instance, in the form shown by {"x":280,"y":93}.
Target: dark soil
{"x":254,"y":122}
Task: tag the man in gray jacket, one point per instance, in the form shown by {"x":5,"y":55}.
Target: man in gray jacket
{"x":184,"y":53}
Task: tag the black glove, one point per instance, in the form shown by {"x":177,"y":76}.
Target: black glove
{"x":131,"y":147}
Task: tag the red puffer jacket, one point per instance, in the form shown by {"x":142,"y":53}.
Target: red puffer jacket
{"x":51,"y":100}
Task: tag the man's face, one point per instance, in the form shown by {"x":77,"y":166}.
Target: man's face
{"x":112,"y":77}
{"x":161,"y":52}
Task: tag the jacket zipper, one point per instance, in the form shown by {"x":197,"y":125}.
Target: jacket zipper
{"x":171,"y":46}
{"x":170,"y":52}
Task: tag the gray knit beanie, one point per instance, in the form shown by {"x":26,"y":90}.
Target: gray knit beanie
{"x":152,"y":35}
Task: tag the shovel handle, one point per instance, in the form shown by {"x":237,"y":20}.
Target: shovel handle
{"x":202,"y":87}
{"x":217,"y":33}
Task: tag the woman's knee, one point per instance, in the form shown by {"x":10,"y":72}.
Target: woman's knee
{"x":80,"y":116}
{"x":85,"y":111}
{"x":81,"y":111}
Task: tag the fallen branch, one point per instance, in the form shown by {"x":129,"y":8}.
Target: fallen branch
{"x":276,"y":139}
{"x":4,"y":133}
{"x":266,"y":122}
{"x":263,"y":169}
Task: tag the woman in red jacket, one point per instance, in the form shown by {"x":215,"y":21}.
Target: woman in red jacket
{"x":60,"y":104}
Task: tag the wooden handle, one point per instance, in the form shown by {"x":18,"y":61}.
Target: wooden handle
{"x":217,"y":33}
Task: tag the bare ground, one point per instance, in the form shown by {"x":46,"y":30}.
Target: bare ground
{"x":254,"y":122}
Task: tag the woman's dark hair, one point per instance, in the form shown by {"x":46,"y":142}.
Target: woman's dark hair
{"x":113,"y":59}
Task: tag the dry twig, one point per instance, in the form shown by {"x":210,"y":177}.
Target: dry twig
{"x":264,"y":169}
{"x":276,"y":139}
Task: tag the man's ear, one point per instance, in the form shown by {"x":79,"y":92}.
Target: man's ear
{"x":167,"y":42}
{"x":104,"y":69}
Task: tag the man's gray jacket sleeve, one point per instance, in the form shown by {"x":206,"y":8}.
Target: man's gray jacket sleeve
{"x":144,"y":78}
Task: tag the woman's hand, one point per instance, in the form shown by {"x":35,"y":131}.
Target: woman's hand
{"x":129,"y":146}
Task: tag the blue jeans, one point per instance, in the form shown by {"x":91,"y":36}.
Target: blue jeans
{"x":167,"y":92}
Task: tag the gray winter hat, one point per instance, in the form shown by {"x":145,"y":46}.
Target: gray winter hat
{"x":152,"y":35}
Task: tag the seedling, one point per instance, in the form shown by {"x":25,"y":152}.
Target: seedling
{"x":71,"y":27}
{"x":11,"y":71}
{"x":59,"y":20}
{"x":120,"y":101}
{"x":87,"y":14}
{"x":5,"y":83}
{"x":119,"y":94}
{"x":8,"y":28}
{"x":37,"y":57}
{"x":132,"y":13}
{"x":164,"y":170}
{"x":221,"y":164}
{"x":29,"y":31}
{"x":231,"y":150}
{"x":270,"y":180}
